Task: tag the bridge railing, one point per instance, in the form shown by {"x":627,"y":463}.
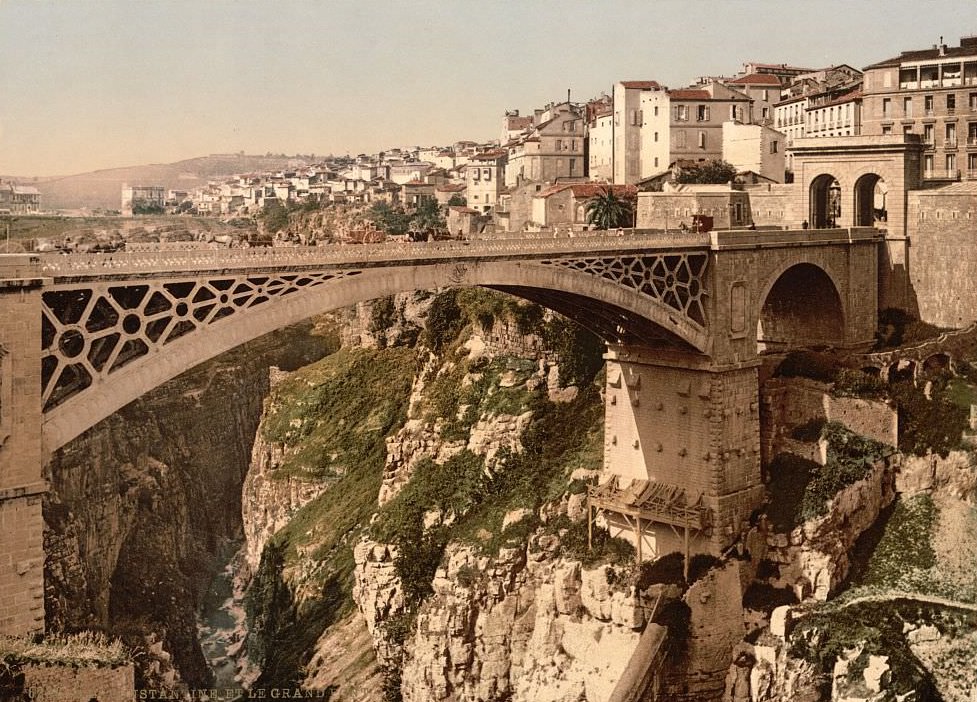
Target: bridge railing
{"x":366,"y":254}
{"x":579,"y":243}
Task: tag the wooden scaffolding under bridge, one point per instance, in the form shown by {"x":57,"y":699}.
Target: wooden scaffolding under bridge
{"x":649,"y":501}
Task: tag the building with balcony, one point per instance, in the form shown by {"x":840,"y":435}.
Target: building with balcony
{"x":931,"y":92}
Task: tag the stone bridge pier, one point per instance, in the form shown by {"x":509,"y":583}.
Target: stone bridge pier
{"x":21,"y":459}
{"x":687,"y":433}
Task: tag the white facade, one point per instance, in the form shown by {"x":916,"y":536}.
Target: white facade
{"x":601,"y":148}
{"x":755,"y":147}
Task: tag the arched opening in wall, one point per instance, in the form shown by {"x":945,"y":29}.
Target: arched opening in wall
{"x":870,"y":201}
{"x":902,"y":371}
{"x":825,"y":199}
{"x":802,"y":309}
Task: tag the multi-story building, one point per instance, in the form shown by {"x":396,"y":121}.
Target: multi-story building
{"x":554,"y":147}
{"x":654,"y":126}
{"x":764,"y":90}
{"x":754,"y":147}
{"x":485,"y":179}
{"x":19,"y":199}
{"x":826,"y":102}
{"x":600,"y":143}
{"x":138,"y":199}
{"x":931,"y":92}
{"x":514,"y":126}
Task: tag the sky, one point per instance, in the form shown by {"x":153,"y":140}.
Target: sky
{"x":92,"y":84}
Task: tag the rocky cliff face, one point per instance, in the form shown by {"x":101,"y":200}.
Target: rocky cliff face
{"x":526,"y":624}
{"x":140,"y":505}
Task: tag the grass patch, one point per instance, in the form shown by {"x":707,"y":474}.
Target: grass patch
{"x":961,"y":393}
{"x":473,"y":502}
{"x":352,"y":401}
{"x":334,"y":412}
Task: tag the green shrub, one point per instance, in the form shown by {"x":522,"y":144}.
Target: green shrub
{"x":857,"y":383}
{"x":935,"y":425}
{"x":580,"y":354}
{"x":444,"y":321}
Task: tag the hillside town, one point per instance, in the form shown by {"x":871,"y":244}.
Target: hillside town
{"x":547,"y":166}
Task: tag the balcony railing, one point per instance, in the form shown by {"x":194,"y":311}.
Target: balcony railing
{"x":972,"y":140}
{"x":950,"y":143}
{"x":929,"y":112}
{"x":972,"y":174}
{"x":941,"y":174}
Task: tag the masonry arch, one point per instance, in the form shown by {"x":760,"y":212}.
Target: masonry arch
{"x":870,"y":196}
{"x":801,"y":308}
{"x":614,"y":312}
{"x":825,"y":202}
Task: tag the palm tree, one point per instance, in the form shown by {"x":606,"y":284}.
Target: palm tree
{"x":608,"y":211}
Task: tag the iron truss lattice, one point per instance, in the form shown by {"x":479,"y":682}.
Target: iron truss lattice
{"x":675,"y":280}
{"x":90,"y":331}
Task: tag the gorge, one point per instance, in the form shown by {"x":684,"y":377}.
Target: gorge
{"x":411,"y":510}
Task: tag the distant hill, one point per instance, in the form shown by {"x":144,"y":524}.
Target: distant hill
{"x":103,"y":189}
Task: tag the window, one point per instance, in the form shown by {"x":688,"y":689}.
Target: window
{"x":972,"y":102}
{"x":887,"y":129}
{"x":680,"y":139}
{"x":766,"y":95}
{"x":559,"y":145}
{"x":951,"y":135}
{"x":928,"y":104}
{"x":656,"y":161}
{"x":766,"y":113}
{"x":656,"y":110}
{"x":951,"y":163}
{"x":886,"y":107}
{"x":773,"y":146}
{"x":702,"y":113}
{"x":476,"y":175}
{"x":928,"y":133}
{"x":972,"y":163}
{"x":928,"y":163}
{"x":951,"y":102}
{"x":702,"y":140}
{"x":486,"y":174}
{"x":907,"y":107}
{"x":681,"y":113}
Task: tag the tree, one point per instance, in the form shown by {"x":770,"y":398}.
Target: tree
{"x":607,"y":211}
{"x":457,"y":200}
{"x":390,"y":219}
{"x":427,"y":216}
{"x":708,"y":172}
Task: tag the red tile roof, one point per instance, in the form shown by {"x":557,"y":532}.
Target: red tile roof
{"x":642,"y":84}
{"x":756,"y":79}
{"x":451,"y":188}
{"x":847,"y":97}
{"x":690,"y":94}
{"x":587,"y":190}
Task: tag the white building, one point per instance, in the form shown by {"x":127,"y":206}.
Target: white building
{"x":755,"y":147}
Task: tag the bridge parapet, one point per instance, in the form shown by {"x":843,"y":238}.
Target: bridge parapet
{"x":629,"y":240}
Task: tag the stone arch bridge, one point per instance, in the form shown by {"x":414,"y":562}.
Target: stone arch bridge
{"x":685,"y":316}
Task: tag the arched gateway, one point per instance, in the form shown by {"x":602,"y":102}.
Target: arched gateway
{"x":81,"y":336}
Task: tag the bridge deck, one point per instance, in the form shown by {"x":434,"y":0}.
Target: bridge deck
{"x":122,"y":264}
